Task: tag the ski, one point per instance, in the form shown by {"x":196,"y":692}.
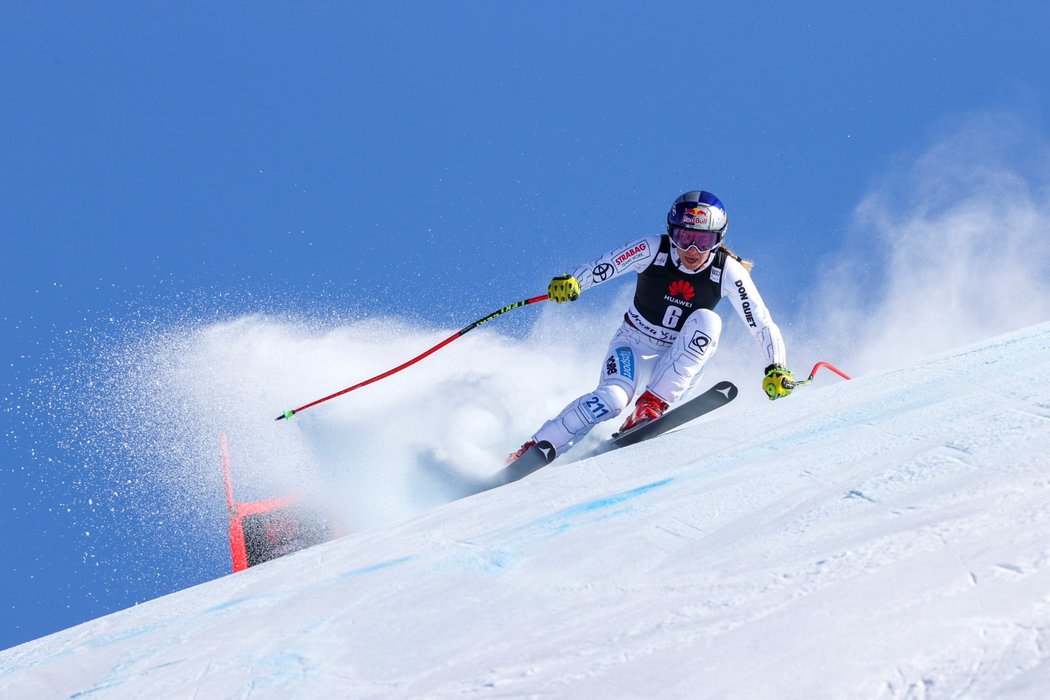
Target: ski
{"x":539,"y":455}
{"x":542,"y":453}
{"x":715,"y":397}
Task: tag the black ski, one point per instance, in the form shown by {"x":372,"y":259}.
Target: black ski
{"x":539,"y":455}
{"x":715,"y":397}
{"x":542,"y":453}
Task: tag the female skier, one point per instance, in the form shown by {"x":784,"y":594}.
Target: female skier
{"x":670,"y":329}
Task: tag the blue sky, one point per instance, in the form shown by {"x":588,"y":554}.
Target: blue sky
{"x":171,"y":164}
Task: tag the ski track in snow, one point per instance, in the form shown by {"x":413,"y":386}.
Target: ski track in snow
{"x":883,"y":538}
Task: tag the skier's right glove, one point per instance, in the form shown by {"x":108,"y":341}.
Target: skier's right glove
{"x":564,"y":288}
{"x":778,"y":381}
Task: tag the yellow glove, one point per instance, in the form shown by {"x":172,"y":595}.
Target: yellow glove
{"x":778,"y":382}
{"x":564,"y":288}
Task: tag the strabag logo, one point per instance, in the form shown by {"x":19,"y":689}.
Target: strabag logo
{"x":631,"y":254}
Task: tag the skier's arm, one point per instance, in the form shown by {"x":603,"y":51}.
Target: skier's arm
{"x":740,"y":288}
{"x":634,"y":256}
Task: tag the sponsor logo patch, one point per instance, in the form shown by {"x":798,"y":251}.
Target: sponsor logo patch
{"x":681,"y":289}
{"x":603,"y":271}
{"x":680,"y":292}
{"x":700,"y":342}
{"x":697,"y":216}
{"x":625,"y":358}
{"x":629,"y":255}
{"x":745,"y":304}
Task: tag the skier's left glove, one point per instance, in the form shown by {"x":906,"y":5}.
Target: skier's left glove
{"x":564,"y":288}
{"x":778,"y":381}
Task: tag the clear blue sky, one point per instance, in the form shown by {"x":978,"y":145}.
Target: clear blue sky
{"x":165,"y":161}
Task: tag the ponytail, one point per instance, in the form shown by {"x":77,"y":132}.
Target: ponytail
{"x":748,"y":264}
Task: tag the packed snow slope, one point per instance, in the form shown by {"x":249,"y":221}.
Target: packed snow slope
{"x":887,"y":537}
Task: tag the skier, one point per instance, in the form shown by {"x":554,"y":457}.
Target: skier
{"x":670,"y":330}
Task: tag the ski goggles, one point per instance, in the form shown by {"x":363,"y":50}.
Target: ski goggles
{"x":703,"y":241}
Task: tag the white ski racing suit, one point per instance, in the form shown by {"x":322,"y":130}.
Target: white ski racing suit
{"x":668,"y":334}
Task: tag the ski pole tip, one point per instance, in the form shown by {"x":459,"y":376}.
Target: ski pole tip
{"x":286,"y":415}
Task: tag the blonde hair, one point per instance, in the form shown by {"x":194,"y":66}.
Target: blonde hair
{"x":748,"y":264}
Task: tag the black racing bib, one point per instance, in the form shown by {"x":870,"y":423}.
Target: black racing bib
{"x":666,"y":296}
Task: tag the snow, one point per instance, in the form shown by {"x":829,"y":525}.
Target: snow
{"x":887,"y":537}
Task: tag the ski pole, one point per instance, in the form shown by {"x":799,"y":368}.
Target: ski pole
{"x":816,"y":368}
{"x":443,"y":343}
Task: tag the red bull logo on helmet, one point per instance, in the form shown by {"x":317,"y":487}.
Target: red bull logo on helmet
{"x":697,"y":216}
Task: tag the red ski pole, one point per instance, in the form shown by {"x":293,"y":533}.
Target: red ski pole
{"x":813,"y":373}
{"x":417,"y":358}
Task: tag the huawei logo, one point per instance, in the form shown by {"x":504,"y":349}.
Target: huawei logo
{"x":680,"y":289}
